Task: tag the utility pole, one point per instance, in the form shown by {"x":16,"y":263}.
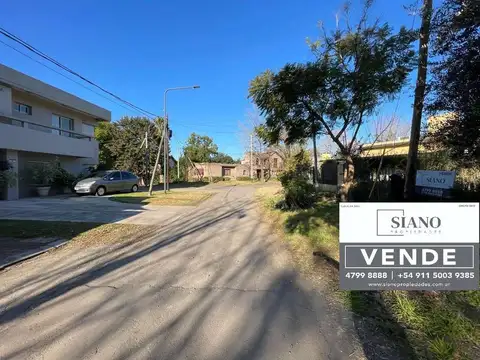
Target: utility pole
{"x":147,"y":156}
{"x":409,"y":189}
{"x":156,"y":164}
{"x":166,"y":133}
{"x":178,"y":167}
{"x":315,"y":160}
{"x":166,"y":164}
{"x":251,"y":156}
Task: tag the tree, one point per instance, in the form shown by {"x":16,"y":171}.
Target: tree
{"x":257,"y":139}
{"x":104,"y":134}
{"x":223,"y":158}
{"x":200,"y":148}
{"x":455,"y":81}
{"x":356,"y":69}
{"x":409,"y":190}
{"x":251,"y":133}
{"x":120,"y":144}
{"x":299,"y":193}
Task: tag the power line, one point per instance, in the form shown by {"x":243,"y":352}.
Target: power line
{"x":52,"y":60}
{"x":66,"y":77}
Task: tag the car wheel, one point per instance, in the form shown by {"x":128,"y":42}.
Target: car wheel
{"x":100,"y":191}
{"x":135,"y":188}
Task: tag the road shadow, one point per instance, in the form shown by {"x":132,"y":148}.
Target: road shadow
{"x":380,"y":334}
{"x":207,"y":286}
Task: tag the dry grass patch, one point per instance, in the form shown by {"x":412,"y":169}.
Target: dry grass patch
{"x":172,"y":198}
{"x":437,"y":325}
{"x":80,"y":233}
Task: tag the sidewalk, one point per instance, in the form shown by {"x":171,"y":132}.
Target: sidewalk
{"x":14,"y":250}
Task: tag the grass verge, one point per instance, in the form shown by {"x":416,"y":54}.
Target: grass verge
{"x":434,"y":325}
{"x":81,"y":233}
{"x":181,"y":198}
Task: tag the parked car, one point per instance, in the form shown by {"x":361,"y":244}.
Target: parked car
{"x":103,"y":182}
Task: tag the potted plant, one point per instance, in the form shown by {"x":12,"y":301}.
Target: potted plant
{"x":42,"y":176}
{"x":62,"y":180}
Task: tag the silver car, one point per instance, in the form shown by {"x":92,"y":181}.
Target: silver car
{"x":107,"y":181}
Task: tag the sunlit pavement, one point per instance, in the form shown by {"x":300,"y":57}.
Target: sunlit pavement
{"x":213,"y":283}
{"x":85,"y":209}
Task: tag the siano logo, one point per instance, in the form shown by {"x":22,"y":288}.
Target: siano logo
{"x":403,"y":222}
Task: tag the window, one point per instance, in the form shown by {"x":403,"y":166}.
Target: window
{"x":275,"y":162}
{"x":62,"y":122}
{"x":88,"y":129}
{"x":227,"y":172}
{"x":244,"y":172}
{"x":257,"y":161}
{"x":127,"y":175}
{"x":113,"y":175}
{"x":22,"y":108}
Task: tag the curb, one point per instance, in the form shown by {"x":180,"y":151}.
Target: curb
{"x":55,"y":245}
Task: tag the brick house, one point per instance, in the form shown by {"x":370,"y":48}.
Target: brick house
{"x":271,"y":162}
{"x":210,"y":170}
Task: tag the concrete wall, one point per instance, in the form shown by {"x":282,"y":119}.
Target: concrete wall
{"x":3,"y":189}
{"x":42,"y":111}
{"x":24,"y":139}
{"x":22,"y":82}
{"x":216,"y":170}
{"x":242,"y":170}
{"x":38,"y":139}
{"x":5,"y":100}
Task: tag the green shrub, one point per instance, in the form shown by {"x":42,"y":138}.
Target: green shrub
{"x":42,"y":174}
{"x":244,"y":178}
{"x":299,"y":194}
{"x":216,"y":179}
{"x":295,"y":180}
{"x":62,"y":178}
{"x":7,"y":175}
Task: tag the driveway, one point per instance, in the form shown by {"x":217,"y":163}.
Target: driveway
{"x":85,"y":209}
{"x":213,"y":283}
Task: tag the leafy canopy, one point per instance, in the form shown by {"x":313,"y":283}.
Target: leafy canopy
{"x":455,"y":82}
{"x":355,"y":70}
{"x":200,"y":148}
{"x":119,"y":144}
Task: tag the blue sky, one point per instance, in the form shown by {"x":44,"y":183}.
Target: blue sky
{"x":136,"y":49}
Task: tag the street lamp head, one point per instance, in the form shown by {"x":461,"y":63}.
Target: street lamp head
{"x":196,"y":86}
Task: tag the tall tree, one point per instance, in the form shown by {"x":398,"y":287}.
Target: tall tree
{"x":104,"y":134}
{"x":200,"y":148}
{"x":223,"y":158}
{"x":357,"y":68}
{"x":409,"y":190}
{"x":120,"y":144}
{"x":455,"y":81}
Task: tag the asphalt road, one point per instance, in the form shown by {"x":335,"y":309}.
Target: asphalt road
{"x":213,"y":283}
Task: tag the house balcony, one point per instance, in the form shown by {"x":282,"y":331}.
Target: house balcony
{"x":21,"y":135}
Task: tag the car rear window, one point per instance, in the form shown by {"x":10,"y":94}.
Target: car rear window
{"x":127,"y":175}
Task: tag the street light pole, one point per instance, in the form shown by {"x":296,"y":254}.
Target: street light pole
{"x":166,"y":132}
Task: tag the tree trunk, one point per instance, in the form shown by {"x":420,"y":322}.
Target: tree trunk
{"x":348,"y":178}
{"x":262,"y":167}
{"x":315,"y":161}
{"x":409,"y":189}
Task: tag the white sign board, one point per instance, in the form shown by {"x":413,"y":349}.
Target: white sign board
{"x":409,"y":246}
{"x":435,"y":179}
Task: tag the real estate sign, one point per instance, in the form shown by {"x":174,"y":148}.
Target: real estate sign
{"x":409,"y":246}
{"x":434,"y":183}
